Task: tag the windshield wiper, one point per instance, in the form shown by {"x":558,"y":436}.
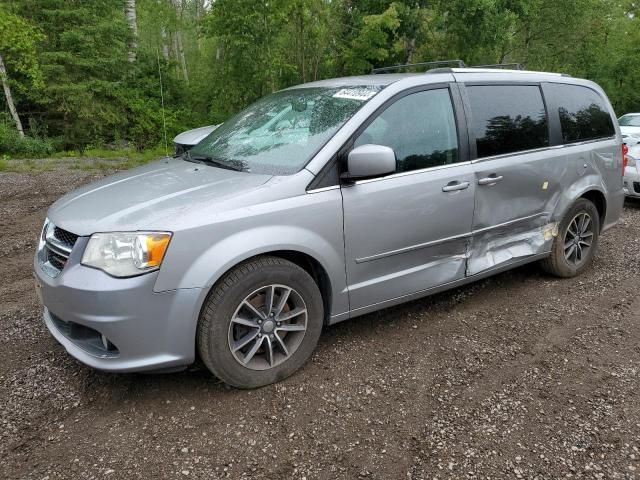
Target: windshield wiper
{"x":235,"y":165}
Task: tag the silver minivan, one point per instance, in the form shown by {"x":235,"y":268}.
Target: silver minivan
{"x":323,"y":202}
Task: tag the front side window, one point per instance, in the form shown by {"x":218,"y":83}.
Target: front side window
{"x":508,"y":118}
{"x":583,"y":113}
{"x":280,"y":133}
{"x":420,"y":128}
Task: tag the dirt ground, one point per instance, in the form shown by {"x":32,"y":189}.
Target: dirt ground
{"x":517,"y":376}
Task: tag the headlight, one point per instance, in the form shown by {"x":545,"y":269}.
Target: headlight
{"x":125,"y":254}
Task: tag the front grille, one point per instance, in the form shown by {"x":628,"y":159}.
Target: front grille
{"x":68,"y":239}
{"x":56,"y":260}
{"x":636,"y":187}
{"x":55,"y":248}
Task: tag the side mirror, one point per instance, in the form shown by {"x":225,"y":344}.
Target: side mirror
{"x":368,"y":161}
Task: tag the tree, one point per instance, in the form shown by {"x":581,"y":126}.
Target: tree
{"x":177,"y":40}
{"x":251,"y":57}
{"x":130,"y":13}
{"x":9,"y":97}
{"x":18,"y":41}
{"x":216,"y":56}
{"x":83,"y":63}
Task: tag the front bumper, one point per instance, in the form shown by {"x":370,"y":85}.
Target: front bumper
{"x":631,"y":182}
{"x":119,"y":324}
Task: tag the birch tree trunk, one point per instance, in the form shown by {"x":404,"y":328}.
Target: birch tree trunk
{"x":174,"y":41}
{"x":180,"y":53}
{"x":9,"y":97}
{"x":179,"y":48}
{"x":165,"y":46}
{"x":130,"y":13}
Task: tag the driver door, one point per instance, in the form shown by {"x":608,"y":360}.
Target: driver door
{"x":407,"y":232}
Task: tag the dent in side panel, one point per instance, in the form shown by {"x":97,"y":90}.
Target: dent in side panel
{"x":407,"y":273}
{"x":503,"y":245}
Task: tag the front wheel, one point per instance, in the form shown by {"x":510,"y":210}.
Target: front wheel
{"x":575,"y":246}
{"x":261,"y":322}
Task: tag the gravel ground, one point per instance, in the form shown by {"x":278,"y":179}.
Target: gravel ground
{"x":517,"y":376}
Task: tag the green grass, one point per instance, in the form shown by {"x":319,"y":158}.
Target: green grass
{"x":95,"y":159}
{"x":129,"y":154}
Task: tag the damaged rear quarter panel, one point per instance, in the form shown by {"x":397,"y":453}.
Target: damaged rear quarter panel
{"x":538,"y":190}
{"x":500,"y":246}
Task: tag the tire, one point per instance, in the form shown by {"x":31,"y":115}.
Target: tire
{"x":557,"y":263}
{"x":236,"y":310}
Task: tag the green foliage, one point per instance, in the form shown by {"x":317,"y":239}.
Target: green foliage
{"x":18,"y":46}
{"x":374,"y":43}
{"x":67,"y":60}
{"x":250,"y":50}
{"x":28,"y":147}
{"x":121,"y":154}
{"x":83,"y":67}
{"x":142,"y":119}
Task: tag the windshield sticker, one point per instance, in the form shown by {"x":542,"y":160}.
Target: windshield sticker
{"x":361,"y":94}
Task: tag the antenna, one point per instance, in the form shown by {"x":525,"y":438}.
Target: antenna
{"x":164,"y":119}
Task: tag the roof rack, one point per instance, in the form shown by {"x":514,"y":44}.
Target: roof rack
{"x":506,"y":66}
{"x":445,"y":65}
{"x":457,"y":63}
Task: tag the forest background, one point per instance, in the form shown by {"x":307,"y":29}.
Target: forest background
{"x":85,"y":74}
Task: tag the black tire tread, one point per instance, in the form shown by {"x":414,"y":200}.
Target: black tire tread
{"x":217,"y":296}
{"x":555,"y":263}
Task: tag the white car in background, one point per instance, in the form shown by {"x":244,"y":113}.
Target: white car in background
{"x":187,"y":140}
{"x":631,"y":177}
{"x":630,"y":125}
{"x":630,"y":128}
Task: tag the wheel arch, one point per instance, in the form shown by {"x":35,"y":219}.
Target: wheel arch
{"x":589,"y":188}
{"x":315,"y":269}
{"x":304,"y":260}
{"x":600,"y":201}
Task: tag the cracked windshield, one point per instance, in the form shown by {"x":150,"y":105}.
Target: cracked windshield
{"x":280,"y":133}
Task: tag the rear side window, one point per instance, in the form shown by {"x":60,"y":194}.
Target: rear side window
{"x":508,"y":118}
{"x":420,"y":128}
{"x":583,"y":113}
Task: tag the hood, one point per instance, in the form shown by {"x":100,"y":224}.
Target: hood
{"x":193,"y":137}
{"x":154,"y":197}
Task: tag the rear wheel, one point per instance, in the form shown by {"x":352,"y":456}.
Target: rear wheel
{"x":260,"y":323}
{"x":574,"y":247}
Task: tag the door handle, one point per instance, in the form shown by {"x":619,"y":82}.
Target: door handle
{"x":490,"y":180}
{"x":455,"y":186}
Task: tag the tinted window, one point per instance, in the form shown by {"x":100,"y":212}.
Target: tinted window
{"x":583,"y":113}
{"x":508,"y":118}
{"x":420,"y":128}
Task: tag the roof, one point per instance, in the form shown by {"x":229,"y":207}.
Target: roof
{"x":498,"y":71}
{"x":389,"y":78}
{"x":359,"y":80}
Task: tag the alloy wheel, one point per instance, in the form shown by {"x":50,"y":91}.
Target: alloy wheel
{"x":578,"y":239}
{"x":267,"y":327}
